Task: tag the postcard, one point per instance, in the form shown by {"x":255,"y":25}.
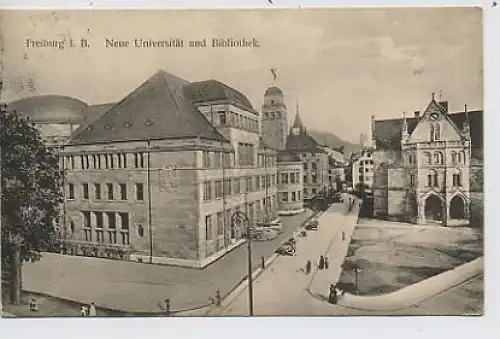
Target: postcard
{"x":242,"y":162}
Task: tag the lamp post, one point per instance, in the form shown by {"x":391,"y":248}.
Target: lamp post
{"x":357,"y":270}
{"x":238,"y":217}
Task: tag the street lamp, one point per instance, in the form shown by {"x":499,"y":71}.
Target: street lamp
{"x":356,"y":270}
{"x":239,"y":217}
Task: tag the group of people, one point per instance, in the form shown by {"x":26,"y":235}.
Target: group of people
{"x":323,"y":264}
{"x":89,"y":311}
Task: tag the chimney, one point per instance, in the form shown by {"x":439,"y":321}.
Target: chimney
{"x":416,"y":114}
{"x":444,"y":104}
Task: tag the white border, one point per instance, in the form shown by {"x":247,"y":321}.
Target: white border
{"x":353,"y":327}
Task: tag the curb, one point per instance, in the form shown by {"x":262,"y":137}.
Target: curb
{"x":458,"y":275}
{"x":239,"y":289}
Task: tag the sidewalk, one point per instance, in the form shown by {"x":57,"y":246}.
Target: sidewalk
{"x":282,"y":288}
{"x":336,"y":252}
{"x":417,"y":293}
{"x":137,"y":288}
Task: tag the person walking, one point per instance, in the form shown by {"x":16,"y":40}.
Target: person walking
{"x":308,"y":266}
{"x":326,"y":263}
{"x":321,"y":263}
{"x":332,"y":296}
{"x":92,"y":310}
{"x":343,"y":236}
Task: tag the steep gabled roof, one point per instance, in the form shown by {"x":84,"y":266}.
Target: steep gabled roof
{"x":387,"y":132}
{"x":302,"y":143}
{"x":214,"y":90}
{"x":157,"y":109}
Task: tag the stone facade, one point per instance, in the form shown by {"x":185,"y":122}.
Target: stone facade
{"x":290,"y":186}
{"x":274,"y":119}
{"x":172,"y":198}
{"x":429,"y":180}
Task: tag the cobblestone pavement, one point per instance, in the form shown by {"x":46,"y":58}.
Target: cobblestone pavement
{"x":138,"y":287}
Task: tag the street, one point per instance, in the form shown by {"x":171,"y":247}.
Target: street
{"x":138,"y":287}
{"x":282,"y":288}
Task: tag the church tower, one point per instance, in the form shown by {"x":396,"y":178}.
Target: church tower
{"x":274,"y":118}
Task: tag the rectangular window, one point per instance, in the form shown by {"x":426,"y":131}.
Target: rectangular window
{"x":111,"y":220}
{"x":218,"y":189}
{"x":124,"y":221}
{"x":85,"y":188}
{"x":305,"y":192}
{"x":257,"y":182}
{"x":284,"y":196}
{"x":112,"y":236}
{"x":249,"y":185}
{"x":111,"y":160}
{"x":294,"y":198}
{"x":305,"y":179}
{"x":292,"y":178}
{"x":206,"y":159}
{"x":220,"y":223}
{"x":314,"y":166}
{"x":119,"y":158}
{"x":109,"y":187}
{"x":71,"y":188}
{"x":98,"y":220}
{"x":123,"y":191}
{"x":106,"y":161}
{"x":124,"y":160}
{"x":86,"y":219}
{"x":222,"y":118}
{"x":125,"y":238}
{"x":227,"y":187}
{"x":237,"y":186}
{"x":72,"y":160}
{"x":208,"y":227}
{"x":284,"y":178}
{"x":136,"y":160}
{"x":139,"y":190}
{"x":305,"y":166}
{"x":97,"y":191}
{"x":313,"y":191}
{"x":412,"y":180}
{"x":207,"y":190}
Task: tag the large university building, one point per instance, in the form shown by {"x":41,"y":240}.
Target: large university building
{"x":428,"y":168}
{"x":159,"y":175}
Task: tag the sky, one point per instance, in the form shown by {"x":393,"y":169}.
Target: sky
{"x":342,"y":65}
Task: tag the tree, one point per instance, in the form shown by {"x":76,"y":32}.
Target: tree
{"x":30,"y":195}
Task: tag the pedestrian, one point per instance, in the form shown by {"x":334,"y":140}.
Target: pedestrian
{"x":92,"y":310}
{"x":308,"y":266}
{"x":343,"y":235}
{"x":321,"y":264}
{"x":326,"y":263}
{"x":332,"y":296}
{"x":83,"y":311}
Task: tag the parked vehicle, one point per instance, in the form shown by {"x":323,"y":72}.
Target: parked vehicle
{"x":275,"y":225}
{"x":265,"y":234}
{"x":312,"y":225}
{"x":285,"y":249}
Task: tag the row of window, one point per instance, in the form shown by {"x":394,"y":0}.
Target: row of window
{"x":272,"y":115}
{"x":245,"y":154}
{"x":314,"y":166}
{"x":365,"y":178}
{"x":433,"y":179}
{"x":292,"y":178}
{"x":232,"y":119}
{"x":216,"y":189}
{"x":291,"y":196}
{"x":115,"y":221}
{"x":365,"y":162}
{"x":437,"y":158}
{"x":105,"y":161}
{"x":110,"y":192}
{"x":223,"y":219}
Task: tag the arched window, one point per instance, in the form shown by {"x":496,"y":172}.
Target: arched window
{"x":140,"y":231}
{"x":438,"y":158}
{"x":457,"y":178}
{"x":432,"y":178}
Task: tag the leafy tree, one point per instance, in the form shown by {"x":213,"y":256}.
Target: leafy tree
{"x":30,"y":195}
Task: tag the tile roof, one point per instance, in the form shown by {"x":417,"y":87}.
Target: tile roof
{"x":387,"y":133}
{"x":287,"y":156}
{"x":302,"y":142}
{"x":214,"y":90}
{"x":157,"y":109}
